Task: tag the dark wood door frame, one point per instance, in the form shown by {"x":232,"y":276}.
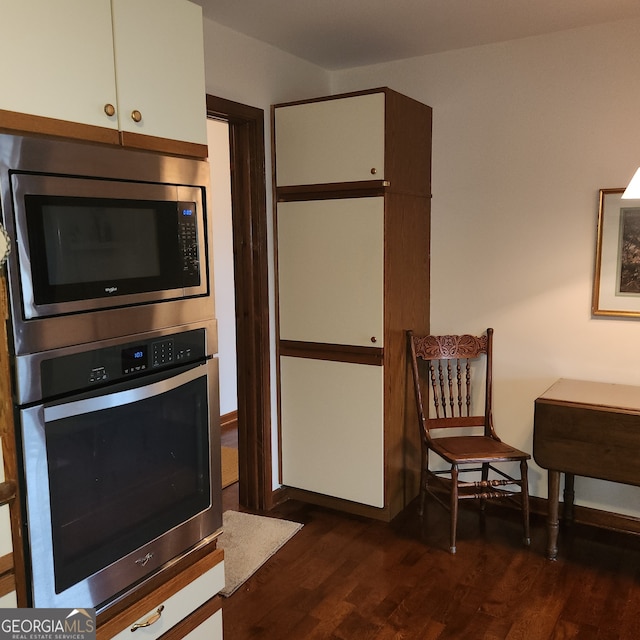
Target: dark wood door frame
{"x":249,"y":214}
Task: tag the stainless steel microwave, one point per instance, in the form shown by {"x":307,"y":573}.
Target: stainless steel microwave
{"x":105,"y":241}
{"x":87,"y":243}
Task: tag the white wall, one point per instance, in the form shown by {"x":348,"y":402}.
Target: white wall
{"x":223,"y":276}
{"x":525,"y":133}
{"x":245,"y":70}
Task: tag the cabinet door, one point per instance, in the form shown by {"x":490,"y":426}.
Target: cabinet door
{"x":58,"y":59}
{"x":330,"y":271}
{"x":332,"y":428}
{"x":340,"y":140}
{"x":159,"y":57}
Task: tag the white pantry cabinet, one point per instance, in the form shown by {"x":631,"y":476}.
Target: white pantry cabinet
{"x":353,"y":185}
{"x":131,"y":66}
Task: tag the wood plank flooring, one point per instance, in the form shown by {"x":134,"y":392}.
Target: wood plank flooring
{"x":349,"y":578}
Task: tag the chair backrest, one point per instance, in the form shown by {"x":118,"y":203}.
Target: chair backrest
{"x":445,"y":370}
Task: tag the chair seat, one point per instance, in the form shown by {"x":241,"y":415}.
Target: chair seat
{"x":475,"y":449}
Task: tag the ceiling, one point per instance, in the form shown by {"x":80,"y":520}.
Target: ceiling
{"x":338,"y":34}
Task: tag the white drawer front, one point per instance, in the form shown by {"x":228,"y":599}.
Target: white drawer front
{"x":179,"y":605}
{"x":210,"y":629}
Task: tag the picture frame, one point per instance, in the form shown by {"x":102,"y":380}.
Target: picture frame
{"x":616,"y":282}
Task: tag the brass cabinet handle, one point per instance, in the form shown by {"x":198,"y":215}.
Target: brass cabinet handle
{"x":373,"y":171}
{"x":153,"y":618}
{"x":374,"y":339}
{"x":109,"y":109}
{"x":136,"y":116}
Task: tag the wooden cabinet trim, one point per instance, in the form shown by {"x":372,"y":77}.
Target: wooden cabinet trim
{"x":163,"y":145}
{"x":7,"y":577}
{"x":334,"y":352}
{"x":22,"y":123}
{"x":362,"y":189}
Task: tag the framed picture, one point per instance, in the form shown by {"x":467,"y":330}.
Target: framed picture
{"x":616,"y":282}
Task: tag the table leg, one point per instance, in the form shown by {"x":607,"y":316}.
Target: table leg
{"x":569,"y":495}
{"x":552,"y":514}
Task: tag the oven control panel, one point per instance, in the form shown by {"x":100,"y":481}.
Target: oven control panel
{"x":111,"y":364}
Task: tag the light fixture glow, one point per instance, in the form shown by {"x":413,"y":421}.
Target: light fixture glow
{"x":632,"y":192}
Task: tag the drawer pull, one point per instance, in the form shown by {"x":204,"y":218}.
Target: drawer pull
{"x":153,"y":618}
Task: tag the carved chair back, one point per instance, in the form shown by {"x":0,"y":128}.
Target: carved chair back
{"x":454,"y":369}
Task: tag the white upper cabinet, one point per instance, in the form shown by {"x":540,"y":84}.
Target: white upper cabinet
{"x":58,"y":59}
{"x":331,"y":141}
{"x":71,"y":59}
{"x":331,"y":268}
{"x":159,"y":59}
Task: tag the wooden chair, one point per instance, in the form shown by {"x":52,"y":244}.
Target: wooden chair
{"x":447,"y":365}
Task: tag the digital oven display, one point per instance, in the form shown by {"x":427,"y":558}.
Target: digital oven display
{"x":134,"y":359}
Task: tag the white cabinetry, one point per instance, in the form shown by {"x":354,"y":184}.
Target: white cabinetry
{"x":70,"y":59}
{"x":159,"y":60}
{"x":332,"y":429}
{"x":336,"y":297}
{"x":58,"y":59}
{"x":307,"y":136}
{"x":352,"y":220}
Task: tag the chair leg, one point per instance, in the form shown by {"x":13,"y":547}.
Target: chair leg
{"x":423,"y":491}
{"x":454,"y":508}
{"x":424,"y":479}
{"x":485,"y":477}
{"x":524,"y":493}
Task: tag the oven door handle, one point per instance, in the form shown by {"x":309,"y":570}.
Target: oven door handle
{"x":108,"y":401}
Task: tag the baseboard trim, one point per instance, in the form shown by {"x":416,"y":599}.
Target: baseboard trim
{"x":592,"y":517}
{"x":229,"y":421}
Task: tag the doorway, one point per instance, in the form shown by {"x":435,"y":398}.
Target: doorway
{"x":249,"y":230}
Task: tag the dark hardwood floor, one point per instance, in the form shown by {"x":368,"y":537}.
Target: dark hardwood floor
{"x":347,"y":577}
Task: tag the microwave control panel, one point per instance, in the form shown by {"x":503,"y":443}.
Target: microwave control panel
{"x":188,"y":234}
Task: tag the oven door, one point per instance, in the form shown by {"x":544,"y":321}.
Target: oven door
{"x":119,"y":483}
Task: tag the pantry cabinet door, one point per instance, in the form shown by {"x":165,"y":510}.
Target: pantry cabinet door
{"x":331,"y":270}
{"x":58,"y":59}
{"x":332,"y":428}
{"x":339,"y":140}
{"x":159,"y":58}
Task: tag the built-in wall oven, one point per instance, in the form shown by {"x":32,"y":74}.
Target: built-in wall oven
{"x":113,"y":345}
{"x":120,"y":454}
